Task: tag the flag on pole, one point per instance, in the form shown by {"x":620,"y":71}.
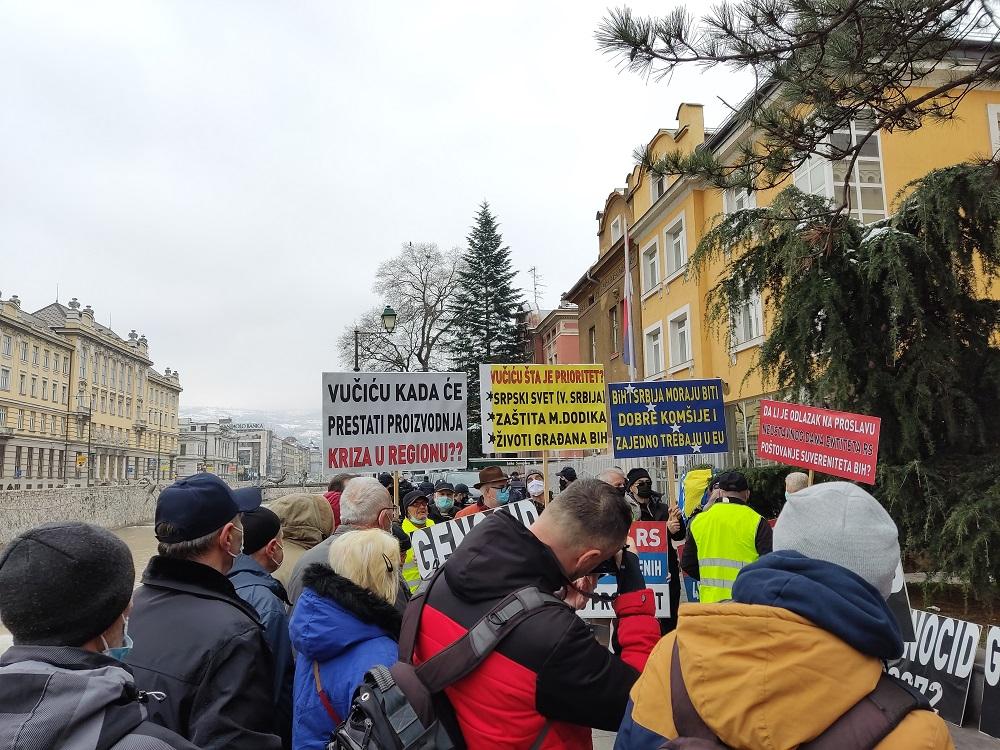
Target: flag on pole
{"x":628,"y":345}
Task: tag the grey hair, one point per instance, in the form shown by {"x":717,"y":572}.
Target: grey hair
{"x":796,"y":481}
{"x":362,"y":501}
{"x":609,"y":474}
{"x":190,"y":549}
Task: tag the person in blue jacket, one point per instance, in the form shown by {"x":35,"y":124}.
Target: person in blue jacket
{"x":252,"y":579}
{"x":344,"y":624}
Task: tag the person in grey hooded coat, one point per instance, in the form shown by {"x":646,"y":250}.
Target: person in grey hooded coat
{"x":66,"y":590}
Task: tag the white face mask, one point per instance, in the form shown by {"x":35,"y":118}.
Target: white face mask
{"x":536,"y":487}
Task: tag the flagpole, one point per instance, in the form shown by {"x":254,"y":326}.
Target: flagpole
{"x":630,"y":342}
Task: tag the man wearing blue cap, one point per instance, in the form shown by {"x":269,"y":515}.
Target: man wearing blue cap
{"x":197,"y":642}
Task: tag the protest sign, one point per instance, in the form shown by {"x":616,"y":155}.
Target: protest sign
{"x":651,"y":540}
{"x":939,"y":662}
{"x":542,"y":407}
{"x":667,"y":418}
{"x":834,"y":442}
{"x":433,"y":545}
{"x":899,"y":604}
{"x":989,"y":717}
{"x":397,"y":420}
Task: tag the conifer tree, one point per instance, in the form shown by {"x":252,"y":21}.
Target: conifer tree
{"x":484,"y":311}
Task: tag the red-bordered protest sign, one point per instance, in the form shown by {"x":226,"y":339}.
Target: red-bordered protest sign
{"x":833,"y":442}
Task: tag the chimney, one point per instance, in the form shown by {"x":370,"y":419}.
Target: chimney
{"x":88,"y":316}
{"x":73,"y":313}
{"x":690,"y":126}
{"x":15,"y":300}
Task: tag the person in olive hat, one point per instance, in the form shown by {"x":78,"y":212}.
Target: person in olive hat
{"x":725,"y":537}
{"x":196,"y":640}
{"x":66,"y":591}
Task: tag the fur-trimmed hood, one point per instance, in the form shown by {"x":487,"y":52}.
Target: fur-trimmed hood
{"x":334,"y":614}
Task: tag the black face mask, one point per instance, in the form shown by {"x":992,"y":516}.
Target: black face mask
{"x":644,"y":490}
{"x":562,"y":483}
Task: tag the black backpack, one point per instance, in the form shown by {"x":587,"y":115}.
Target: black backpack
{"x":864,"y":725}
{"x":404,"y":707}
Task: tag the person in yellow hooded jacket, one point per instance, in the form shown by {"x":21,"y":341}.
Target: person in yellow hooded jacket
{"x":801,"y":643}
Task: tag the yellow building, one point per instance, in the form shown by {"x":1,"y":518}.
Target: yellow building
{"x":671,"y":216}
{"x":77,"y":400}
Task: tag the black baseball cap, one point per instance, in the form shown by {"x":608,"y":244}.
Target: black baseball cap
{"x":732,"y":481}
{"x":426,"y":488}
{"x":568,"y":473}
{"x":260,"y":526}
{"x":462,"y":489}
{"x":443,"y":485}
{"x":414,"y":496}
{"x":199,"y":505}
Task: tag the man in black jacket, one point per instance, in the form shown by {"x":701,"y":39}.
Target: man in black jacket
{"x":66,"y":590}
{"x":196,"y":640}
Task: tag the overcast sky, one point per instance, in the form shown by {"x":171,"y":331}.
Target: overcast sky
{"x":226,"y":176}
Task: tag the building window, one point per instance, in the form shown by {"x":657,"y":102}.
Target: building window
{"x":592,"y":343}
{"x":993,"y":112}
{"x":20,"y":419}
{"x":34,"y":355}
{"x":738,"y":199}
{"x":4,"y":379}
{"x":31,"y":461}
{"x":613,"y":326}
{"x":34,"y":387}
{"x":866,"y":188}
{"x":55,"y":362}
{"x":104,"y":403}
{"x":83,"y":364}
{"x":676,"y":247}
{"x":7,"y":343}
{"x":64,"y":394}
{"x":45,"y":390}
{"x":650,"y":267}
{"x":45,"y":424}
{"x":23,"y":385}
{"x":616,"y":229}
{"x":653,"y":350}
{"x":747,"y":322}
{"x":3,"y":416}
{"x":24,"y":351}
{"x":66,"y":365}
{"x":657,"y":186}
{"x":678,"y":325}
{"x":31,"y":421}
{"x":45,"y":359}
{"x":55,"y":391}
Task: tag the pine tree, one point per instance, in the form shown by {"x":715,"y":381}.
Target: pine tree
{"x":484,"y":311}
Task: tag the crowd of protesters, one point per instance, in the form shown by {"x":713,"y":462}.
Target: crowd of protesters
{"x":253,"y":627}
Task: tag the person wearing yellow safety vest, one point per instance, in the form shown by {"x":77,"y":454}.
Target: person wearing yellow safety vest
{"x":724,"y":538}
{"x":415,"y":507}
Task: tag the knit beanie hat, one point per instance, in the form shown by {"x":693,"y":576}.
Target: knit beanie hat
{"x":63,"y":584}
{"x":635,"y":475}
{"x":841,"y":523}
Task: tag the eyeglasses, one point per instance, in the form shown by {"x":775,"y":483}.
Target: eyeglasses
{"x":388,"y":563}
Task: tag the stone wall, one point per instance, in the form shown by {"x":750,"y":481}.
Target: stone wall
{"x":110,"y":507}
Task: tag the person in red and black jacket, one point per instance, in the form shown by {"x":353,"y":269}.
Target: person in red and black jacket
{"x":549,"y":678}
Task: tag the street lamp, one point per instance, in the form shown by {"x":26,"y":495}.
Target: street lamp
{"x":388,"y":322}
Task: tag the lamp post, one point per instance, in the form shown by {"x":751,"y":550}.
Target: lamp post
{"x":388,"y":322}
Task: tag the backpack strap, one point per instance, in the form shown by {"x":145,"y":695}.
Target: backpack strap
{"x":411,"y":619}
{"x":872,"y":718}
{"x":687,"y":720}
{"x":464,"y":655}
{"x":323,"y":697}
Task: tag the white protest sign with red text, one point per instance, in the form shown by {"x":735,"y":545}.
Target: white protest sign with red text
{"x":389,"y":421}
{"x":833,"y":442}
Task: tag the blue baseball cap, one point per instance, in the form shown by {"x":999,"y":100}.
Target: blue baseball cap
{"x":199,"y":505}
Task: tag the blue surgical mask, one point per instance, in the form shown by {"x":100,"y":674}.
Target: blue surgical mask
{"x":503,"y":496}
{"x":122,"y":651}
{"x":444,"y":503}
{"x":788,"y":496}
